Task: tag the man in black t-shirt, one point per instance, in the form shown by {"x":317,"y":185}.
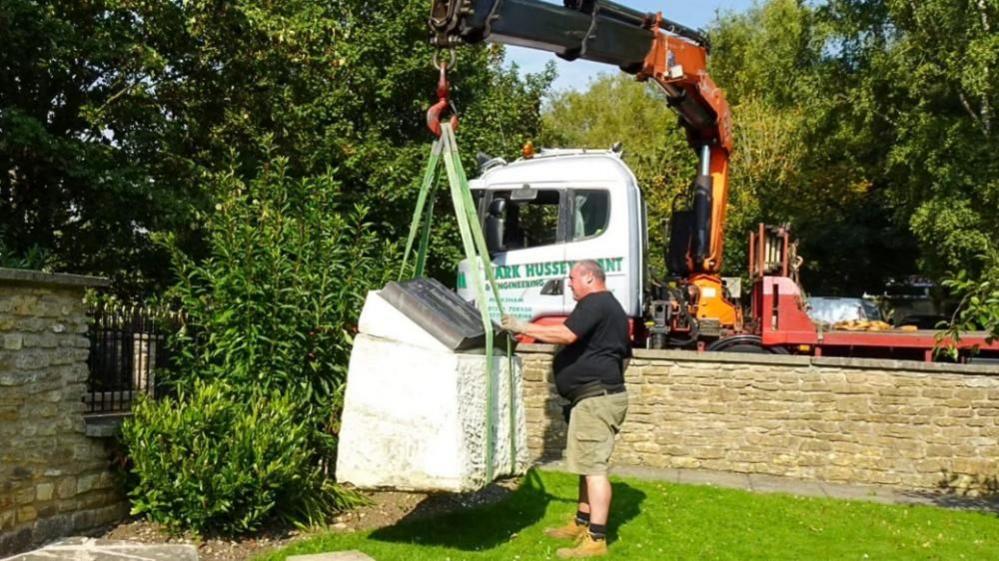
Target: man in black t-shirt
{"x":589,"y":372}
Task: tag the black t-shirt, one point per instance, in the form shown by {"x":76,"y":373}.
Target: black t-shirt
{"x":601,"y":326}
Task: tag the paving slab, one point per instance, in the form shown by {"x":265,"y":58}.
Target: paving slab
{"x":727,"y":479}
{"x":872,"y":493}
{"x":352,"y":555}
{"x":763,"y":483}
{"x":671,"y":475}
{"x":91,"y":549}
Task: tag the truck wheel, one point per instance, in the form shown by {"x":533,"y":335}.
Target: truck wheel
{"x":744,"y":344}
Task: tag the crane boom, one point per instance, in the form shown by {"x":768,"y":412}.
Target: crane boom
{"x":647,"y":45}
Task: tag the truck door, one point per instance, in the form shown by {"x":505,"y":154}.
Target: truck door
{"x":600,"y":229}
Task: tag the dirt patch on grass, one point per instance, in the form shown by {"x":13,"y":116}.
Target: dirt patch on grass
{"x":385,"y":509}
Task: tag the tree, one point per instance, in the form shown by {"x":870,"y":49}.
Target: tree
{"x":74,"y":89}
{"x":792,"y":162}
{"x":924,"y":73}
{"x":793,"y":102}
{"x":113,"y":114}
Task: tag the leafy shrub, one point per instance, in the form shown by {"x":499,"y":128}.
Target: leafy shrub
{"x":206,"y":460}
{"x":979,"y":306}
{"x":269,"y":312}
{"x":35,"y":257}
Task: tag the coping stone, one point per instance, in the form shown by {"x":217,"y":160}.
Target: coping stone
{"x":27,"y":276}
{"x":907,"y":367}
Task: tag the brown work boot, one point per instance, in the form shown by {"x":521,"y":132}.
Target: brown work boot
{"x":571,"y":531}
{"x":585,"y":547}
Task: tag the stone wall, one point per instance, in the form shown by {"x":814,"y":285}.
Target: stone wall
{"x":899,"y":423}
{"x":54,"y":480}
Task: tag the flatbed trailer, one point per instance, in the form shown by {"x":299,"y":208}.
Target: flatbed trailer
{"x":780,"y":320}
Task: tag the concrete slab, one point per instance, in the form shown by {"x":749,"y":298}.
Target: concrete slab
{"x":91,"y":549}
{"x":884,"y":495}
{"x":352,"y":555}
{"x":717,"y":478}
{"x":670,"y":475}
{"x":774,"y":484}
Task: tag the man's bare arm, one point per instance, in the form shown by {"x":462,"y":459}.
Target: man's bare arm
{"x":557,"y":334}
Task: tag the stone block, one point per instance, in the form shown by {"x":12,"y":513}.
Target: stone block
{"x":388,"y":439}
{"x":96,"y":500}
{"x":44,"y":491}
{"x":862,"y":378}
{"x":939,"y":451}
{"x":31,"y":360}
{"x":24,"y":305}
{"x":18,"y":378}
{"x":13,"y":341}
{"x":42,"y":410}
{"x":87,"y":483}
{"x":107,"y":480}
{"x":24,"y":494}
{"x":30,"y":324}
{"x":26,"y":513}
{"x":66,"y":488}
{"x":938,"y":393}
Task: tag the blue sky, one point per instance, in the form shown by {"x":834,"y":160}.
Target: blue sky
{"x":575,"y":75}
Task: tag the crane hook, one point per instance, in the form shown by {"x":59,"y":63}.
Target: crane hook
{"x":443,"y":98}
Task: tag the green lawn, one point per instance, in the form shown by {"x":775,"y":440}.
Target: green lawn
{"x":663,"y":521}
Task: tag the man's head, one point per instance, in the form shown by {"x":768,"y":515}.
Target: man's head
{"x":586,"y":278}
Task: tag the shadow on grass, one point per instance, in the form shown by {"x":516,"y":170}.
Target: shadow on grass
{"x":978,"y":493}
{"x":626,"y":504}
{"x":491,"y":526}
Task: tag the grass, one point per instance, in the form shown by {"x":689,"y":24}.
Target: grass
{"x":662,"y":521}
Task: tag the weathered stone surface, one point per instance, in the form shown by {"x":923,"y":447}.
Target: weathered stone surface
{"x":45,"y":453}
{"x":442,"y":440}
{"x":74,"y":549}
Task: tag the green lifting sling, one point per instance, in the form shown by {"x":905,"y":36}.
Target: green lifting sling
{"x":476,"y":252}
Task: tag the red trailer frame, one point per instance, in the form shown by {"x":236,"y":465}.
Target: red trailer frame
{"x":779,"y":317}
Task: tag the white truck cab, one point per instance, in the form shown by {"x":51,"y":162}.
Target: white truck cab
{"x":542,"y":214}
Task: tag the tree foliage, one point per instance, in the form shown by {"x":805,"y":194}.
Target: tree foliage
{"x":923,"y":76}
{"x":865,"y":124}
{"x":113,"y":112}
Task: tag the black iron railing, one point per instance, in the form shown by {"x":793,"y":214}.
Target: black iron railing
{"x":127,"y":347}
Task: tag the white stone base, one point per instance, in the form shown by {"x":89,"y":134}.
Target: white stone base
{"x":414,"y":414}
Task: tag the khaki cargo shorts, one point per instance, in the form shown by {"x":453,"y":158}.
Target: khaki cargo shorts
{"x":593,"y":427}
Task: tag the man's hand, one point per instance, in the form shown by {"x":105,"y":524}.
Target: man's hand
{"x":513,"y":325}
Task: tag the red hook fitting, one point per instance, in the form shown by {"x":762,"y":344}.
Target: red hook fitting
{"x":443,"y":102}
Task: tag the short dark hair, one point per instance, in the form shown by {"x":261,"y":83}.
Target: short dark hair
{"x":592,"y":267}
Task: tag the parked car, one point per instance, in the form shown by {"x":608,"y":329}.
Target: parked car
{"x":833,"y":309}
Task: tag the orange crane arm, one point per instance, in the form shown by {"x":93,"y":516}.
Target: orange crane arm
{"x":648,"y":45}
